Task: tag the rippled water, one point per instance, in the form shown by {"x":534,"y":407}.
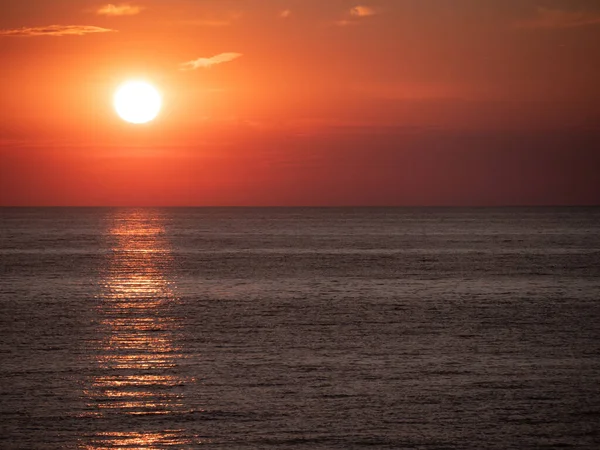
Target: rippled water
{"x":300,"y":328}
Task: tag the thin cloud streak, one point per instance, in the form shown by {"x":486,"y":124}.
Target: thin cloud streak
{"x":362,"y":11}
{"x":555,"y":19}
{"x":203,"y":63}
{"x":55,"y":30}
{"x":119,"y":10}
{"x":355,"y":14}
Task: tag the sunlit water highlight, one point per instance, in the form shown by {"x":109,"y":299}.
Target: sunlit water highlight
{"x":139,"y":351}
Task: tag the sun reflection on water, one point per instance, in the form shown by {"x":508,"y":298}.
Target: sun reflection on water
{"x":137,"y":354}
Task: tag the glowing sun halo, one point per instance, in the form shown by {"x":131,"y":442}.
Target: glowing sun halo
{"x":137,"y":102}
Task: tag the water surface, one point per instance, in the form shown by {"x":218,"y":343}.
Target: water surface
{"x":300,"y":328}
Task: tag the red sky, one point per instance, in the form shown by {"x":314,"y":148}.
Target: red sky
{"x":382,"y":102}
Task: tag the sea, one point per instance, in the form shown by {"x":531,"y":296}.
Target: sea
{"x":320,"y":328}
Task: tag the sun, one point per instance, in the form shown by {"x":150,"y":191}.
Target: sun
{"x":137,"y":102}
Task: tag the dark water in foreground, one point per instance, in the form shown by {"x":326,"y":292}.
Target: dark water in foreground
{"x":300,"y":328}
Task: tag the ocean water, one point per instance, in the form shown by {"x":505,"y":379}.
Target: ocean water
{"x":300,"y":328}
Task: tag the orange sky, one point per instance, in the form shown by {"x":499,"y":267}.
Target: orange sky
{"x":387,"y":102}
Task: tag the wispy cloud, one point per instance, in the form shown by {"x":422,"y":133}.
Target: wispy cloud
{"x":119,"y":10}
{"x":55,"y":30}
{"x":362,"y":11}
{"x":556,"y":18}
{"x":355,"y":14}
{"x":285,"y":14}
{"x":202,"y":63}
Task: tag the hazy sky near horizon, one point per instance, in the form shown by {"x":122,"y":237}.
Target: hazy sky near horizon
{"x":302,"y":102}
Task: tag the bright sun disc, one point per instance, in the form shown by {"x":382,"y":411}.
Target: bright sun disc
{"x":137,"y":102}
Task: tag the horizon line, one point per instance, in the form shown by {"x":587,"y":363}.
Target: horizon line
{"x":533,"y":205}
